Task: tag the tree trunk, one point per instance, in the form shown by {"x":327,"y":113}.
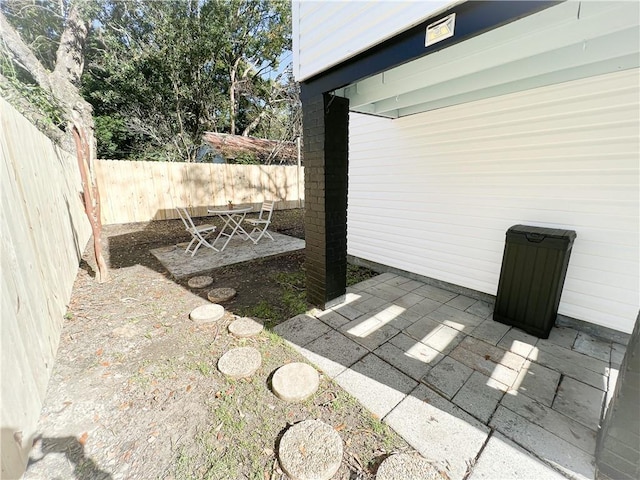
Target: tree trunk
{"x":256,"y":121}
{"x":63,"y":83}
{"x":91,"y":198}
{"x":34,"y":115}
{"x":233,"y":77}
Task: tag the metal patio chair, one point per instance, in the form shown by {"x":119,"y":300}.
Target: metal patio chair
{"x":199,"y":234}
{"x":262,"y":222}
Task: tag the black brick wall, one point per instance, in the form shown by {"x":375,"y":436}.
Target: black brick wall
{"x":326,"y":153}
{"x":618,"y":449}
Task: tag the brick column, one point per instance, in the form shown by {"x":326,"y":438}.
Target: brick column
{"x":326,"y":152}
{"x":618,"y":445}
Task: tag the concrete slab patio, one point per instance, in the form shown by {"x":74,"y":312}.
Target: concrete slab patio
{"x":182,"y":264}
{"x":479,"y":398}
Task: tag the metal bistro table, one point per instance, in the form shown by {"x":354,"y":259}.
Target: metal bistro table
{"x":232,"y":218}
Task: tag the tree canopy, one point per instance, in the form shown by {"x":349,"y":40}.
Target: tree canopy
{"x":160,"y":73}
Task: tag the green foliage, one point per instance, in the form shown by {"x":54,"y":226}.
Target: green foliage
{"x":291,"y":301}
{"x":112,"y":136}
{"x":357,"y":274}
{"x":262,"y":309}
{"x":170,"y":68}
{"x":245,"y":158}
{"x":40,"y":24}
{"x":41,"y":100}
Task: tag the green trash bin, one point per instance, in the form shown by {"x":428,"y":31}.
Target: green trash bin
{"x":534,"y":266}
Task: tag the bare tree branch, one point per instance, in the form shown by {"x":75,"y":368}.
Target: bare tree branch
{"x":70,"y":54}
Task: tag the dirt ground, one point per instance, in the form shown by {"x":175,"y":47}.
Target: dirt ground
{"x":135,"y":392}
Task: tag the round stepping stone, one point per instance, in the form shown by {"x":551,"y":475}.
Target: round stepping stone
{"x":219,"y":295}
{"x":245,"y":327}
{"x":200,"y":282}
{"x":207,"y":313}
{"x":407,"y":467}
{"x":295,"y":382}
{"x":240,"y":362}
{"x":310,"y":450}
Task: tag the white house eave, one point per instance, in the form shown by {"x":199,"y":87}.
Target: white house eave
{"x":306,"y":65}
{"x":569,"y":41}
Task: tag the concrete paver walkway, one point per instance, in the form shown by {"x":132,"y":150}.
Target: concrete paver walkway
{"x":480,"y":398}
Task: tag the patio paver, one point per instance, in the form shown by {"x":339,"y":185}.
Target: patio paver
{"x":480,"y":309}
{"x":371,"y":374}
{"x":461,"y":302}
{"x":490,"y":331}
{"x":369,"y":332}
{"x":443,"y":378}
{"x":552,"y":421}
{"x":575,"y":370}
{"x":479,"y":396}
{"x":592,"y":347}
{"x":538,"y":382}
{"x":439,"y":430}
{"x":454,"y":318}
{"x":182,"y":265}
{"x":448,"y":376}
{"x":579,"y":401}
{"x":301,"y":329}
{"x":502,"y":459}
{"x":333,"y":352}
{"x":568,"y":458}
{"x":518,"y":342}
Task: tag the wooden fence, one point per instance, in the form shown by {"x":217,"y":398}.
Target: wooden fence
{"x":44,"y":231}
{"x":144,"y":191}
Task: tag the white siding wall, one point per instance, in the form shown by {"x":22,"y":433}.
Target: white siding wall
{"x":434,"y":193}
{"x":328,"y":32}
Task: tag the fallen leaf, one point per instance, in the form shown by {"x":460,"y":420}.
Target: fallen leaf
{"x":220,"y":436}
{"x":83,"y":438}
{"x":340,"y":427}
{"x":188,"y":389}
{"x":303,"y":450}
{"x":106,"y":364}
{"x":99,"y":352}
{"x":487,"y":357}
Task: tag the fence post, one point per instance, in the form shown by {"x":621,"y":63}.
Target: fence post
{"x":298,"y":172}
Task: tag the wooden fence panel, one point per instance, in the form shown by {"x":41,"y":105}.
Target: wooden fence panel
{"x":43,"y":233}
{"x":145,"y":191}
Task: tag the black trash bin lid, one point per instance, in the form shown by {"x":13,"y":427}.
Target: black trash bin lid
{"x":540,"y":233}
